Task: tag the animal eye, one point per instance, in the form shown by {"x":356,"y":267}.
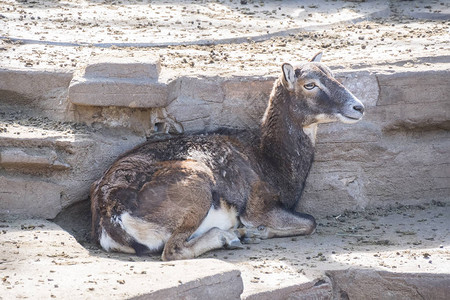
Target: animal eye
{"x":309,"y":86}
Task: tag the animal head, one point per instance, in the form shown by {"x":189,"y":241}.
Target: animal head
{"x":317,"y":97}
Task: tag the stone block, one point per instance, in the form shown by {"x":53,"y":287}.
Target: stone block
{"x":34,"y":92}
{"x":313,"y":289}
{"x":123,"y":67}
{"x":119,"y":81}
{"x":30,"y":197}
{"x":402,"y":167}
{"x":371,"y":284}
{"x":32,"y":84}
{"x":42,"y":174}
{"x":225,"y":284}
{"x":414,"y":87}
{"x":257,"y":89}
{"x":364,"y":85}
{"x":414,"y":100}
{"x":129,"y":92}
{"x":245,"y":101}
{"x":199,"y":88}
{"x":200,"y":104}
{"x":18,"y":158}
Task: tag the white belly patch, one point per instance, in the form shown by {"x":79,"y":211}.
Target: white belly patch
{"x":109,"y":244}
{"x":223,"y":218}
{"x":149,"y":234}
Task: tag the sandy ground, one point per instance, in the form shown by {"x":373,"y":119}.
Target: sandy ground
{"x":224,"y":37}
{"x":37,"y":258}
{"x":397,"y":239}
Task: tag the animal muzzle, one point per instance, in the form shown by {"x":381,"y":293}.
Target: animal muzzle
{"x":352,"y":111}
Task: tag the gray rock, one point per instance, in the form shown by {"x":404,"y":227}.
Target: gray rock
{"x":372,"y":284}
{"x":18,"y":158}
{"x":135,"y":93}
{"x":119,"y":81}
{"x":397,"y":153}
{"x":313,"y":289}
{"x":414,"y":100}
{"x":39,"y":93}
{"x":123,"y":67}
{"x":200,"y":104}
{"x":225,"y":284}
{"x":32,"y":84}
{"x":42,"y":175}
{"x":33,"y":197}
{"x":394,"y":155}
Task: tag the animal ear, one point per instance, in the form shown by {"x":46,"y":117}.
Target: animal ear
{"x":317,"y":57}
{"x":288,"y":76}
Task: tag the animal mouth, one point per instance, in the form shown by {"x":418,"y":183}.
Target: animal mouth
{"x":352,"y":118}
{"x":349,"y":119}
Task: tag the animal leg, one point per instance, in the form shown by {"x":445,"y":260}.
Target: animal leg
{"x":265,"y":218}
{"x":178,"y":247}
{"x":278,"y":222}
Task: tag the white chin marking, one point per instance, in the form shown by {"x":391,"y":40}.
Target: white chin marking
{"x":109,"y":244}
{"x":311,"y":132}
{"x":324,"y":118}
{"x":347,"y":120}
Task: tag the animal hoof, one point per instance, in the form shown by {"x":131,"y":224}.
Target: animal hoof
{"x":235,"y":244}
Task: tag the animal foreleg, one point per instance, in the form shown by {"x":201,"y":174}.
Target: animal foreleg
{"x":279,"y":222}
{"x":179,"y":248}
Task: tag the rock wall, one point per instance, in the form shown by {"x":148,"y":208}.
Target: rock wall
{"x":398,"y":153}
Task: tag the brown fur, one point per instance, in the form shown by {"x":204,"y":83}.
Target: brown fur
{"x":166,"y":189}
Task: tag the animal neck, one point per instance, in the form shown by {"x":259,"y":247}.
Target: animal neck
{"x":287,"y":151}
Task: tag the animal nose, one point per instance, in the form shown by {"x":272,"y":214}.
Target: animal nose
{"x":359,"y":108}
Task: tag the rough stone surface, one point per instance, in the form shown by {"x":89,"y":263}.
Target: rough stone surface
{"x":201,"y":104}
{"x":44,"y":170}
{"x":245,"y":102}
{"x":32,"y":84}
{"x":312,"y":289}
{"x":135,"y":93}
{"x":30,"y":197}
{"x":41,"y":93}
{"x":119,"y":81}
{"x":123,"y":67}
{"x":220,"y":285}
{"x":18,"y":158}
{"x":372,"y":284}
{"x":395,"y":154}
{"x":414,"y":100}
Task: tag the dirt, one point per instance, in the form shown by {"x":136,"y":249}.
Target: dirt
{"x":38,"y":260}
{"x":224,"y":37}
{"x":399,"y":238}
{"x":395,"y":239}
{"x":18,"y":123}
